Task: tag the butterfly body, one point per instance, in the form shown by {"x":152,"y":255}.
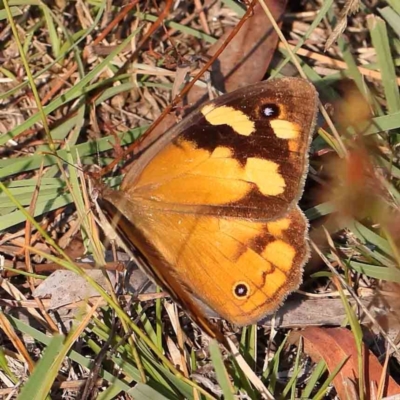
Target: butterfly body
{"x":212,"y":205}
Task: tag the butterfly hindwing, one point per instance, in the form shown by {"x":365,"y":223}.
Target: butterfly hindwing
{"x":242,"y":269}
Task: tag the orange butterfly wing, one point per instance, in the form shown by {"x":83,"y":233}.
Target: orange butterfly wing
{"x":212,"y":205}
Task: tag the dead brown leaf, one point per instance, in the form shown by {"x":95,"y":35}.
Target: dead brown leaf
{"x":333,"y":345}
{"x":65,"y":287}
{"x":248,"y":55}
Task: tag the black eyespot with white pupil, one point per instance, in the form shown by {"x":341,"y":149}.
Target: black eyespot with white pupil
{"x":271,"y":111}
{"x":241,"y":290}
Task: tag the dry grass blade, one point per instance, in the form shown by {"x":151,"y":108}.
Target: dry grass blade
{"x":350,"y":7}
{"x":255,"y":380}
{"x":16,"y":341}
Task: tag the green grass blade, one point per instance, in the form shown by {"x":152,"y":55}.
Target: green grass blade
{"x":5,"y":368}
{"x":376,"y":271}
{"x":392,"y":18}
{"x":313,"y":380}
{"x":145,"y":392}
{"x":53,"y":35}
{"x":395,"y":4}
{"x":222,"y":375}
{"x":45,"y":372}
{"x":322,"y":391}
{"x":380,"y":41}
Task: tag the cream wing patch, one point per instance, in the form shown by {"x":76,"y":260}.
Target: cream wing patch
{"x":265,"y":175}
{"x":276,"y":228}
{"x":280,"y":254}
{"x":285,"y":129}
{"x":225,"y":115}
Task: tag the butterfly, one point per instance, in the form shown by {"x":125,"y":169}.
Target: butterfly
{"x":211,"y":205}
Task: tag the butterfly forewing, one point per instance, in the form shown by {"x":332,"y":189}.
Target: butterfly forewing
{"x":242,"y":155}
